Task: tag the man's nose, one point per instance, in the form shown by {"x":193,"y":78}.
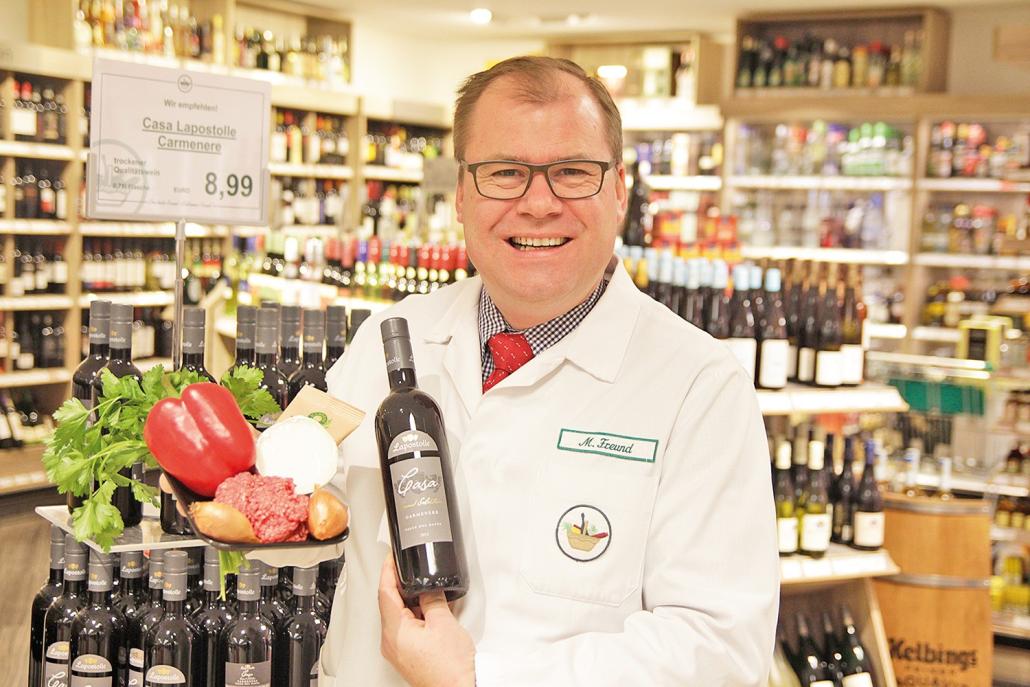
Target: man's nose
{"x":538,"y":200}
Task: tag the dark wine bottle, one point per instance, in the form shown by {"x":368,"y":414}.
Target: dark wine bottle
{"x":284,"y":588}
{"x":842,"y":495}
{"x":213,"y":617}
{"x":311,"y":371}
{"x":247,"y":640}
{"x":98,"y":630}
{"x":335,"y":334}
{"x":773,"y":342}
{"x":808,"y":331}
{"x":717,"y":310}
{"x":300,"y":635}
{"x":290,"y":335}
{"x":829,"y":361}
{"x":417,"y":481}
{"x":57,"y":624}
{"x":742,"y":340}
{"x":194,"y":580}
{"x":855,"y":666}
{"x":147,"y":616}
{"x":246,"y":321}
{"x":172,"y":652}
{"x":811,"y":666}
{"x":85,"y":376}
{"x":272,"y":378}
{"x":131,"y":598}
{"x":46,"y":595}
{"x":193,"y":337}
{"x":120,"y":365}
{"x":852,"y":353}
{"x":357,"y":318}
{"x":799,"y":464}
{"x":832,"y":650}
{"x":692,"y":304}
{"x":270,"y":605}
{"x":868,"y":534}
{"x":328,"y":577}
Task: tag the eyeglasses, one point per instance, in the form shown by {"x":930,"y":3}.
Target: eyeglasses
{"x":567,"y":179}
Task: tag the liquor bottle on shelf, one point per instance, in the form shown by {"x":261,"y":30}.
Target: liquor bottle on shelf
{"x":828,"y":358}
{"x":808,"y":331}
{"x":194,"y":579}
{"x":144,"y":620}
{"x":843,"y":495}
{"x":57,"y":625}
{"x":266,"y":338}
{"x":832,"y":651}
{"x":211,"y":619}
{"x":97,"y":647}
{"x":120,"y":365}
{"x":85,"y":376}
{"x":131,"y":598}
{"x":299,"y":636}
{"x":193,"y":339}
{"x":717,"y":304}
{"x":812,"y":666}
{"x":172,"y":648}
{"x":247,"y":642}
{"x":773,"y":341}
{"x":854,"y":665}
{"x":411,"y":438}
{"x":742,"y":335}
{"x":246,"y":322}
{"x":814,"y":518}
{"x":312,"y":371}
{"x":270,"y":605}
{"x":783,"y":490}
{"x":868,"y":529}
{"x":290,"y":333}
{"x":50,"y":591}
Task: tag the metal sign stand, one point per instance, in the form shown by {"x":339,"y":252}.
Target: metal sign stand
{"x":180,"y":259}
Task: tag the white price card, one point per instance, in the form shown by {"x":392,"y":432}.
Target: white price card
{"x":790,"y":570}
{"x":169,"y":144}
{"x":817,"y":568}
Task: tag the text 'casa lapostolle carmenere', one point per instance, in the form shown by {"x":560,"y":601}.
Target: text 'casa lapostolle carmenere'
{"x":417,"y":479}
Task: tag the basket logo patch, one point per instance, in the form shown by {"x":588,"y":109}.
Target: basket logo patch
{"x":583,"y":533}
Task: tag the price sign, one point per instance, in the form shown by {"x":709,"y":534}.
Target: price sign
{"x":169,"y":144}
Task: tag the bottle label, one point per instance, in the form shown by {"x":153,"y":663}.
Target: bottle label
{"x":815,"y":531}
{"x":787,"y":534}
{"x":5,"y":430}
{"x":90,"y":670}
{"x":775,"y":360}
{"x":55,"y":669}
{"x":857,"y":680}
{"x":744,"y":351}
{"x":165,"y":675}
{"x":828,"y":368}
{"x":806,"y":364}
{"x":47,"y":200}
{"x":23,"y":122}
{"x":852,"y":363}
{"x":422,"y":510}
{"x":869,"y":529}
{"x":248,"y":674}
{"x":60,"y":269}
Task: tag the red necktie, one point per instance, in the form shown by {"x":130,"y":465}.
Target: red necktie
{"x":510,"y":352}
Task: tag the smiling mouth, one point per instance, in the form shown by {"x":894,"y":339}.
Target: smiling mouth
{"x":524,"y":243}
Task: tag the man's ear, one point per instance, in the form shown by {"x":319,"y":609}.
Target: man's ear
{"x":458,"y":192}
{"x":621,"y":195}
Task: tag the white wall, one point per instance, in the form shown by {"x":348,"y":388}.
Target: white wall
{"x":972,"y":68}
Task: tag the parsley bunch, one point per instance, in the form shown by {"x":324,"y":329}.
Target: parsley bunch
{"x":88,"y":450}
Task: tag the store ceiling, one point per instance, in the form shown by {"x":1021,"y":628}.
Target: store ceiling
{"x":537,"y":18}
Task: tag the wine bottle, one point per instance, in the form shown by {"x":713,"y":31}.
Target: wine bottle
{"x":944,"y":484}
{"x":131,"y":599}
{"x":46,"y":595}
{"x":357,"y":318}
{"x":782,"y":673}
{"x":828,"y":357}
{"x":741,"y":339}
{"x":812,"y":668}
{"x":868,"y":531}
{"x":246,"y":642}
{"x":290,"y":334}
{"x":85,"y":376}
{"x":120,"y":365}
{"x":98,"y":630}
{"x":912,"y":458}
{"x":855,"y":666}
{"x":211,"y":618}
{"x":799,"y":465}
{"x":193,"y":337}
{"x":272,"y":379}
{"x":852,"y":353}
{"x":717,"y":306}
{"x":270,"y":605}
{"x":815,"y":523}
{"x":311,"y":372}
{"x":808,"y":332}
{"x":300,"y":635}
{"x":428,"y":547}
{"x":57,"y":623}
{"x":328,"y":577}
{"x":773,"y":341}
{"x":246,"y":319}
{"x":335,"y":334}
{"x":194,"y":580}
{"x":147,"y":617}
{"x":692,"y":308}
{"x":783,"y":490}
{"x":832,"y":650}
{"x":284,"y":587}
{"x":843,"y":496}
{"x":172,"y":652}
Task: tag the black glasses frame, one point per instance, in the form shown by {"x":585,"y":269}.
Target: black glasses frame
{"x":471,"y":167}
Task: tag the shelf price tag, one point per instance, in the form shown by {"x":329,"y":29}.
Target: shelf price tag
{"x":790,"y":570}
{"x":169,"y":144}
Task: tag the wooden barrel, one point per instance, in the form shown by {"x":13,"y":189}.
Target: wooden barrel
{"x":937,"y":612}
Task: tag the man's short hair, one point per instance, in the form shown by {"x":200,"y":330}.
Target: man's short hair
{"x":536,"y":80}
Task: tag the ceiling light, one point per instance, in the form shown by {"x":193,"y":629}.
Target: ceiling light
{"x":574,"y":19}
{"x":481,"y":16}
{"x":612,"y":71}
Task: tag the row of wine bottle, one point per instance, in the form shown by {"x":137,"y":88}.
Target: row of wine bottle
{"x":840,"y":660}
{"x":91,"y":627}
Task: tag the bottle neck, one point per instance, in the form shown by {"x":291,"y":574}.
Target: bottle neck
{"x":265,"y":359}
{"x":195,"y":360}
{"x":248,"y":607}
{"x":56,"y":576}
{"x":121,"y":354}
{"x":100,"y":598}
{"x":305,"y":602}
{"x":175,"y":607}
{"x":244,"y":355}
{"x":132,"y":586}
{"x":99,"y":349}
{"x":334,"y":352}
{"x":313,"y":359}
{"x":403,"y":378}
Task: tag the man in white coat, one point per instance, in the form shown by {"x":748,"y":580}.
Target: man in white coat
{"x":610,"y":460}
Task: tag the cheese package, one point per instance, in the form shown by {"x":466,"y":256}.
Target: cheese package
{"x":339,"y":418}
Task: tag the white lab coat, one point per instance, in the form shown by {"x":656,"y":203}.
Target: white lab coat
{"x":686,"y":590}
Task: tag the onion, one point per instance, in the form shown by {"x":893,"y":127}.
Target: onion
{"x":327,"y":517}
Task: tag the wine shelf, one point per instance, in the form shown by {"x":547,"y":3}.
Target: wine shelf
{"x":884,"y":330}
{"x":35,"y":227}
{"x":36,"y":151}
{"x":382,"y":173}
{"x":851,"y":256}
{"x":974,"y":185}
{"x":293,"y":290}
{"x":867,"y":398}
{"x":147,"y":535}
{"x":36,"y":303}
{"x":839,"y":564}
{"x":667,"y":114}
{"x":1001,"y":484}
{"x":668,"y":182}
{"x":137,"y":299}
{"x":313,"y":171}
{"x":160,"y":230}
{"x":1011,"y":534}
{"x":38,"y":377}
{"x":21,"y":470}
{"x":819,"y":183}
{"x":1014,"y":625}
{"x":1012,"y":263}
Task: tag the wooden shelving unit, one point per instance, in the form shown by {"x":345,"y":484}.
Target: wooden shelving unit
{"x":21,"y":470}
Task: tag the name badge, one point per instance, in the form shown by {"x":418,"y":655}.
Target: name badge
{"x":608,"y":444}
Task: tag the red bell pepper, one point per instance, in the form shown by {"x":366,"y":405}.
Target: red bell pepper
{"x":201,"y":438}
